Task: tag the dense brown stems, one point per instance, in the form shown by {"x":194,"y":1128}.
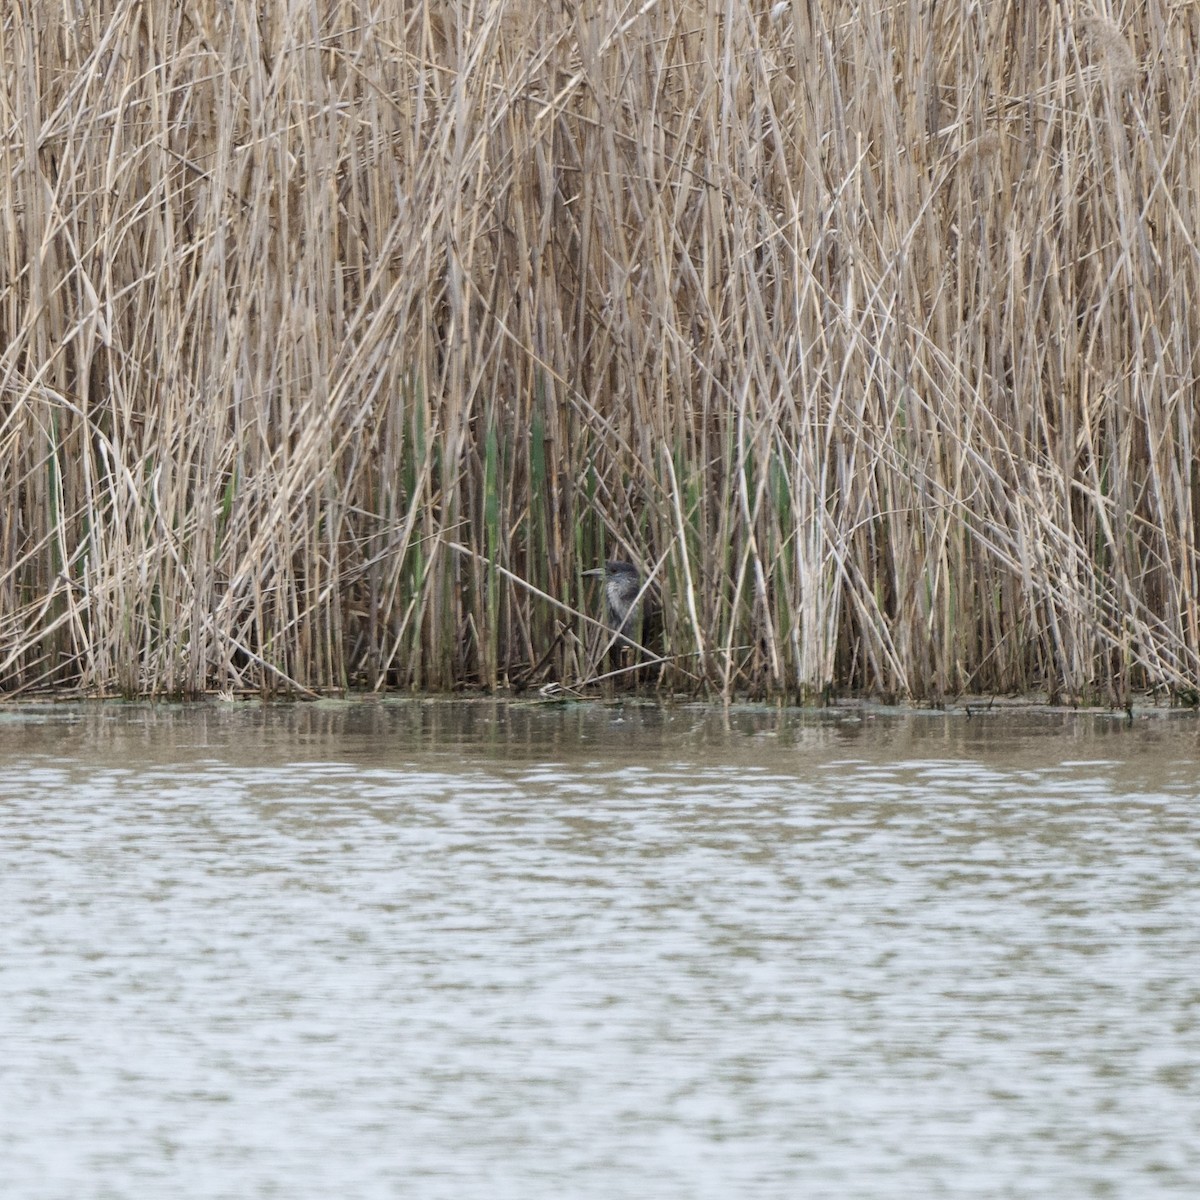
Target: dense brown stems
{"x":337,"y":339}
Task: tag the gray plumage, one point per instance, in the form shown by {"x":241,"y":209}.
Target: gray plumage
{"x":621,"y":586}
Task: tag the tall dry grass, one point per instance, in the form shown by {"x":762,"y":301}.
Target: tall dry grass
{"x":337,"y":338}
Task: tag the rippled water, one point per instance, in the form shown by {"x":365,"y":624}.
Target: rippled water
{"x":468,"y":950}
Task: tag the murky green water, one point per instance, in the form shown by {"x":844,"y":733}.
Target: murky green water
{"x":470,"y":951}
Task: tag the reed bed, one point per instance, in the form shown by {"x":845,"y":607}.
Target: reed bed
{"x":338,"y":338}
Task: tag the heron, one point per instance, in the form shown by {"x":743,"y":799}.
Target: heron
{"x":622,"y":585}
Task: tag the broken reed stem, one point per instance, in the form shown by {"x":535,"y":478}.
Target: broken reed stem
{"x":336,"y":342}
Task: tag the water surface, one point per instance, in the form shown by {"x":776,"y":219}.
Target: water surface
{"x":474,"y":950}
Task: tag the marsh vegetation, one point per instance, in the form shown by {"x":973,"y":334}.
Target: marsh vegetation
{"x":337,"y":339}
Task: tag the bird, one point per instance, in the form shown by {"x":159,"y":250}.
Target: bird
{"x":622,"y":589}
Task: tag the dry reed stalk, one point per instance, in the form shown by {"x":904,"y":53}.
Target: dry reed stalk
{"x":337,"y":340}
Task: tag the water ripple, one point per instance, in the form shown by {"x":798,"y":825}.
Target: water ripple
{"x":259,"y":953}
